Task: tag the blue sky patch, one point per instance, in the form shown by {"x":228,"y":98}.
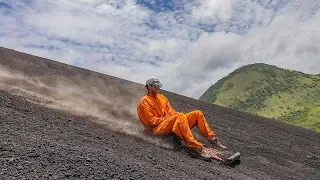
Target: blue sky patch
{"x":162,"y":5}
{"x":5,"y":8}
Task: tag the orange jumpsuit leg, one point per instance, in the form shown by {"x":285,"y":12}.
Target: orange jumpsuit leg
{"x":197,"y":118}
{"x":178,"y":124}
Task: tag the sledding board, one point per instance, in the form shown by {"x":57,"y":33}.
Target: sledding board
{"x":225,"y":159}
{"x":224,"y":156}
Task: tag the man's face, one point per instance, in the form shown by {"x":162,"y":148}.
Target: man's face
{"x":155,"y":87}
{"x":154,"y":90}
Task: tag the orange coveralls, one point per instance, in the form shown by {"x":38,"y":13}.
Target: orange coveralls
{"x":156,"y":114}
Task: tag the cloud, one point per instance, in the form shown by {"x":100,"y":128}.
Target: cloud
{"x":209,"y":9}
{"x":189,"y":45}
{"x":286,"y":42}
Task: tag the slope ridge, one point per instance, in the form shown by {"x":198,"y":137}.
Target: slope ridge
{"x":65,"y":142}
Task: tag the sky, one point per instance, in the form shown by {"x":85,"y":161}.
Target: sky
{"x":188,"y":44}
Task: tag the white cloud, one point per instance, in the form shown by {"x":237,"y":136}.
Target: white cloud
{"x":209,"y":9}
{"x":286,"y":42}
{"x":124,"y":39}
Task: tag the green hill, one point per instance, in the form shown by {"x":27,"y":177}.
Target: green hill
{"x":272,"y":92}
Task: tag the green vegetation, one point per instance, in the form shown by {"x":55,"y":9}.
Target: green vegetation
{"x":269,"y":91}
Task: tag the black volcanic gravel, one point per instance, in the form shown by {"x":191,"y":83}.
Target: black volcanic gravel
{"x":37,"y":142}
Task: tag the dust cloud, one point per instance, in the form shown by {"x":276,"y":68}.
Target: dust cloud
{"x":104,"y":103}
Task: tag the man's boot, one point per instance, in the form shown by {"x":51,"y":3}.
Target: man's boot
{"x":199,"y":154}
{"x":203,"y":152}
{"x":217,"y":143}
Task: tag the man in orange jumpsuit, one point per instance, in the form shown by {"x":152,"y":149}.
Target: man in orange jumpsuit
{"x":157,"y":115}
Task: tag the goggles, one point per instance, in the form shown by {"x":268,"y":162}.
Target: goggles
{"x":156,"y":85}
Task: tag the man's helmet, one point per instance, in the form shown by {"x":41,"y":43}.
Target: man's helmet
{"x":154,"y":82}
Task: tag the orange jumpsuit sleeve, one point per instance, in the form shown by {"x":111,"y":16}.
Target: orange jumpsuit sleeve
{"x":169,"y":108}
{"x":147,"y":115}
